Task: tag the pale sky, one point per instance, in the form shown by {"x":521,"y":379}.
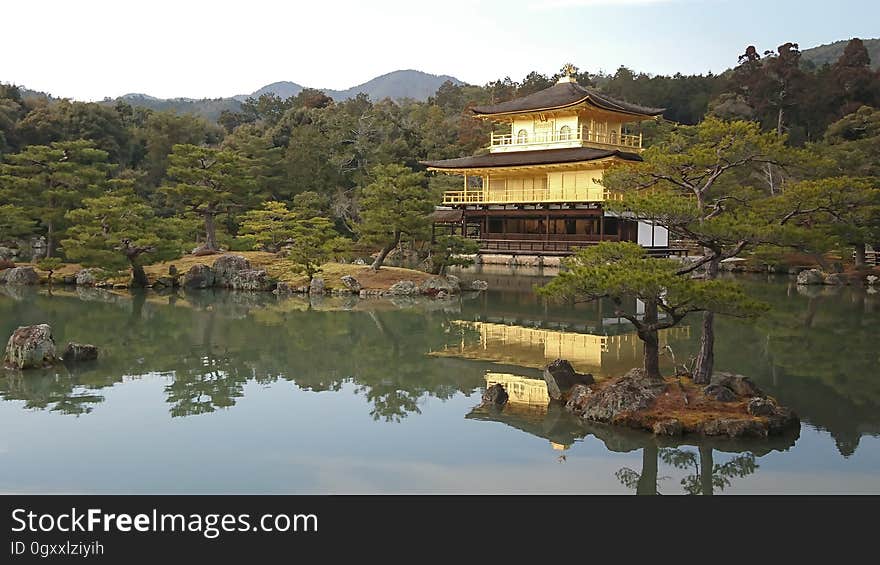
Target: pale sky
{"x":91,"y":49}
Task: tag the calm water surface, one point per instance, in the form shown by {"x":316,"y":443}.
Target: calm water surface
{"x":228,"y":393}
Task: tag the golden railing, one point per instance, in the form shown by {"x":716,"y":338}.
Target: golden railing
{"x":510,"y":196}
{"x":583,"y":134}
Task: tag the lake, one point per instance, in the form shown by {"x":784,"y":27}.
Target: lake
{"x":222,"y":392}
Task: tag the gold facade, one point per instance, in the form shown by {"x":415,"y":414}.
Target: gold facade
{"x":601,"y":355}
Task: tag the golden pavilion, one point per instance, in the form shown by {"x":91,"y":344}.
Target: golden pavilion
{"x":538,"y":189}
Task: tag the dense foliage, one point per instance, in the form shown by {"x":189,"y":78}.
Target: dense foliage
{"x":211,"y":177}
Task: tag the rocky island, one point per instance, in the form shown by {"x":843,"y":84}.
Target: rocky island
{"x":731,"y":405}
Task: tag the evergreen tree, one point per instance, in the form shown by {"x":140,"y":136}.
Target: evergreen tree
{"x":314,"y":242}
{"x":395,"y":204}
{"x":845,"y":209}
{"x":452,"y":251}
{"x":48,"y":181}
{"x":855,"y":84}
{"x":115,"y":230}
{"x":270,"y":227}
{"x":50,"y":265}
{"x":206,"y":183}
{"x":622,"y":273}
{"x":15,"y":222}
{"x":695,"y":184}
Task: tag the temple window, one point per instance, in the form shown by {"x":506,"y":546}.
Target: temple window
{"x":522,"y":136}
{"x":564,"y":133}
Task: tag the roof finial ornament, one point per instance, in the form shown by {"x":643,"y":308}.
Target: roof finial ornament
{"x":568,"y":73}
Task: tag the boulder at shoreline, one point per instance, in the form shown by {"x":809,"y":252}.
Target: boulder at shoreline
{"x":31,"y":347}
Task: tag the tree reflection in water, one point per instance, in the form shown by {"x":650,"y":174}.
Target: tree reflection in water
{"x":211,"y":345}
{"x":814,"y":351}
{"x":706,"y":478}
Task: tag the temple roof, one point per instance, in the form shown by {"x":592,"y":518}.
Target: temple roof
{"x":519,"y":158}
{"x":562,"y":95}
{"x":447,"y":216}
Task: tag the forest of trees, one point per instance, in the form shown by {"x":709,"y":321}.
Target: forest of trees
{"x":91,"y":178}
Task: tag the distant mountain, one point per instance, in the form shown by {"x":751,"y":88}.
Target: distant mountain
{"x":831,"y":52}
{"x":137,"y":97}
{"x":284,"y":90}
{"x":205,"y":107}
{"x":397,"y":85}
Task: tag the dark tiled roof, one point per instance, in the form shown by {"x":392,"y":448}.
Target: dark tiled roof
{"x":534,"y":157}
{"x":443,"y":216}
{"x":562,"y":95}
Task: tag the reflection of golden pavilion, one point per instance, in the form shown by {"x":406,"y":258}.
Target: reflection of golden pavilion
{"x":521,"y":390}
{"x":528,"y":408}
{"x":602,"y":355}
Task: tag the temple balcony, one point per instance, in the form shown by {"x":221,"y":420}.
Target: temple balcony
{"x":566,"y":137}
{"x":529,"y":196}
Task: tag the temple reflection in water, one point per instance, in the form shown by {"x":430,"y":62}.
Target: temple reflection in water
{"x":529,"y":409}
{"x":534,"y":347}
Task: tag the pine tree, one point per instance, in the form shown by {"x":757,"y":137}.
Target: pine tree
{"x":206,"y":183}
{"x":697,"y":183}
{"x":452,"y":251}
{"x":395,"y":204}
{"x":47,"y":181}
{"x":269,"y":227}
{"x":314,"y":241}
{"x":622,"y":273}
{"x":845,"y":210}
{"x":116,"y":230}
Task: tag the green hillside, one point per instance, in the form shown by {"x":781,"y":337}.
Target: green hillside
{"x":830,"y":52}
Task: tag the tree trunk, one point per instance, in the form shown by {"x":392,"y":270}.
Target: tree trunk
{"x":210,"y":232}
{"x":770,"y":180}
{"x":651,"y":341}
{"x":648,"y":478}
{"x":706,"y":356}
{"x":50,"y":236}
{"x":860,"y":255}
{"x":138,"y":276}
{"x":436,"y":267}
{"x":779,"y":122}
{"x":377,"y":264}
{"x":707,"y":465}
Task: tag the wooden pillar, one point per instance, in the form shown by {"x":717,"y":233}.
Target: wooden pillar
{"x":465,"y":196}
{"x":601,"y":224}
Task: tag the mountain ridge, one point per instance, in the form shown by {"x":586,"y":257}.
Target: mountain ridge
{"x":399,"y":84}
{"x":830,"y":52}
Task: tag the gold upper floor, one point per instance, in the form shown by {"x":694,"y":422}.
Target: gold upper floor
{"x":566,"y":115}
{"x":599,"y":135}
{"x":559,"y":130}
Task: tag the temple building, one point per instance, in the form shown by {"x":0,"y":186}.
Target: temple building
{"x":537,"y":191}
